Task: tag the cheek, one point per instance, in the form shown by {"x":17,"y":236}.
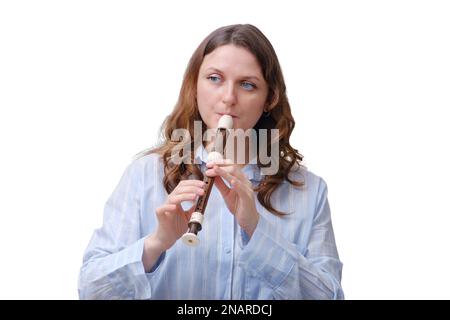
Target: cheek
{"x":204,"y":97}
{"x":254,"y":108}
{"x":205,"y":103}
{"x":256,"y":104}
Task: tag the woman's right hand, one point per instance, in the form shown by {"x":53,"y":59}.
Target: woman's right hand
{"x":172,"y":219}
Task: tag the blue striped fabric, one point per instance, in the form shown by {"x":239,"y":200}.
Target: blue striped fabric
{"x":289,"y":257}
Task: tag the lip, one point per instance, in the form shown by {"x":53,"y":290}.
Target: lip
{"x":221,"y":114}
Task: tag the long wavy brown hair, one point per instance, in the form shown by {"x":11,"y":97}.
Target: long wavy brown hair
{"x":186,"y":112}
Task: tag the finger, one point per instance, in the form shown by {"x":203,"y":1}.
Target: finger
{"x":188,"y":214}
{"x":223,"y":188}
{"x":236,"y":179}
{"x":188,"y":189}
{"x":229,"y":173}
{"x":164,"y":208}
{"x":195,"y":183}
{"x":220,"y":162}
{"x":230,"y":168}
{"x":222,"y":173}
{"x":211,"y":173}
{"x":178,"y":198}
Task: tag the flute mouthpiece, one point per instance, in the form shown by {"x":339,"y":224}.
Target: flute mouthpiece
{"x":225,"y":122}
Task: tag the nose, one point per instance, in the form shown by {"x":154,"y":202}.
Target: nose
{"x":229,"y":95}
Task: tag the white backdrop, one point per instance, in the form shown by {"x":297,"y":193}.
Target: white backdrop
{"x":85,"y":85}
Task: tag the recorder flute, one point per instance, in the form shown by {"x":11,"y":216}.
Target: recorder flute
{"x":190,"y":238}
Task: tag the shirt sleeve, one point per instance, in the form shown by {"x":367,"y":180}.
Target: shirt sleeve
{"x":112,"y":263}
{"x":271,"y":258}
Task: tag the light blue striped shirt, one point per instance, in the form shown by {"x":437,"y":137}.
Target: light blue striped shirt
{"x":288,"y":257}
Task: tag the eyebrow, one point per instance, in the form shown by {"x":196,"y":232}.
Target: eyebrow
{"x":220,"y":71}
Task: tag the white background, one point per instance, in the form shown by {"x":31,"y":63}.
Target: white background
{"x":85,"y":85}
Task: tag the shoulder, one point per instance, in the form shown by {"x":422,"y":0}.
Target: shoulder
{"x":312,"y":184}
{"x":144,"y":166}
{"x":147,"y":160}
{"x":313,"y":194}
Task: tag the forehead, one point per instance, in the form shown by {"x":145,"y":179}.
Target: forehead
{"x":233,"y":59}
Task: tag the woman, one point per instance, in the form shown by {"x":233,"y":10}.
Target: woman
{"x":265,"y":236}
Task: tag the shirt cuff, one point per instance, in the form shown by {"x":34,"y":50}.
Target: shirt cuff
{"x":129,"y":260}
{"x":132,"y":255}
{"x":267,"y":255}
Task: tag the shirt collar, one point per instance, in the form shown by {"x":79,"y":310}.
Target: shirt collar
{"x":251,"y":170}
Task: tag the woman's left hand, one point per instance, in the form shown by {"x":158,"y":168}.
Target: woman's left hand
{"x":240,"y":198}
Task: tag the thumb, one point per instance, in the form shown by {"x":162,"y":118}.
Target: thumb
{"x":220,"y":184}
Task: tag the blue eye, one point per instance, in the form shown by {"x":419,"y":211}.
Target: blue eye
{"x":214,"y":79}
{"x":248,"y":86}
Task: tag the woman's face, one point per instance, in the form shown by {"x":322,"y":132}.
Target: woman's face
{"x":230,"y":81}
